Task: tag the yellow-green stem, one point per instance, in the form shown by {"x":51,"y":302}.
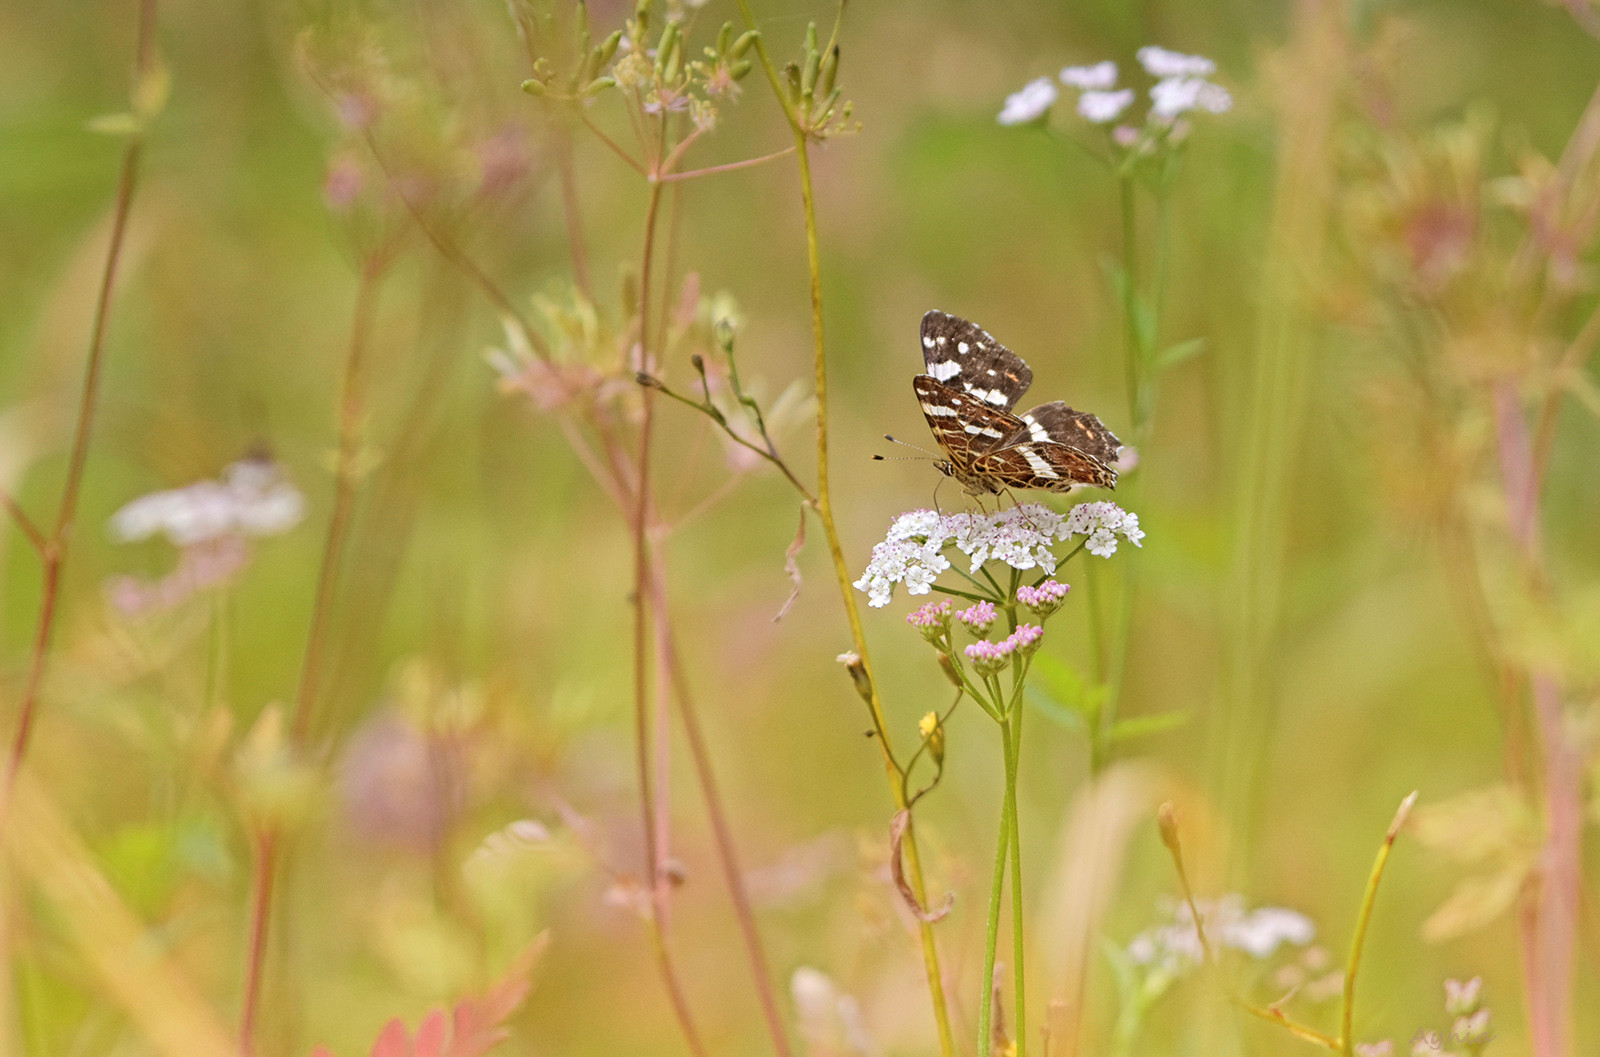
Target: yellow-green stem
{"x":1019,"y":999}
{"x":930,"y":953}
{"x":1347,"y":1009}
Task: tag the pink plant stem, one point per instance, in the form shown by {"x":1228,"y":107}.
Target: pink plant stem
{"x":727,"y":853}
{"x":53,"y":550}
{"x":352,"y":406}
{"x":1549,"y":919}
{"x":266,"y":856}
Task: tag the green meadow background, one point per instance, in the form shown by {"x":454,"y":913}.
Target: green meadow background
{"x":1292,"y":596}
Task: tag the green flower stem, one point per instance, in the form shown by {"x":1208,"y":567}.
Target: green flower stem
{"x":1363,"y":919}
{"x":996,"y":893}
{"x":1013,"y":733}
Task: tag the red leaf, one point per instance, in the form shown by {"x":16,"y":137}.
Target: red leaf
{"x":392,"y":1040}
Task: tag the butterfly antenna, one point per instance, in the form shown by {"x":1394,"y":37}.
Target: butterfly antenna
{"x":913,"y":447}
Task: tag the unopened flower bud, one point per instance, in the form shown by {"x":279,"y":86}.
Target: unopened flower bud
{"x":948,"y":666}
{"x":1167,"y":823}
{"x":933,"y":734}
{"x":858,"y":673}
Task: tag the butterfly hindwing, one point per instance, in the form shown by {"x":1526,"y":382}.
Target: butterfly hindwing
{"x":1057,"y":423}
{"x":964,"y":356}
{"x":1032,"y":464}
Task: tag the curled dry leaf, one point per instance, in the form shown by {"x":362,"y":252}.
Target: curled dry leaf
{"x":792,"y":566}
{"x":897,"y":833}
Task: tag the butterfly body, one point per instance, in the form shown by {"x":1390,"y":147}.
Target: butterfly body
{"x":968,"y":393}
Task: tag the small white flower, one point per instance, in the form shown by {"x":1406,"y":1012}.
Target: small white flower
{"x":1382,"y":1048}
{"x":1102,"y":522}
{"x":1175,"y":96}
{"x":1176,"y":947}
{"x":1159,"y":62}
{"x":1474,"y":1030}
{"x":1102,"y":108}
{"x":1030,"y":103}
{"x":252,"y":499}
{"x":1101,"y":75}
{"x":1261,"y":932}
{"x":1461,"y":998}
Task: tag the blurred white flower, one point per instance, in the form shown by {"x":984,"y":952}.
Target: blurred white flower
{"x":1102,"y":108}
{"x":1101,"y":75}
{"x":1258,"y":933}
{"x":1175,"y":96}
{"x":828,"y":1019}
{"x":252,"y":499}
{"x":1159,"y":62}
{"x":1030,"y":103}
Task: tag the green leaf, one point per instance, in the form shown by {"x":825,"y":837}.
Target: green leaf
{"x":1056,"y":711}
{"x":1065,"y":685}
{"x":1173,"y":355}
{"x":1143,"y":726}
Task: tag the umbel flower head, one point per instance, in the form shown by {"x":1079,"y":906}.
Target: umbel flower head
{"x":1022,"y":537}
{"x":1181,"y":87}
{"x":254,"y":498}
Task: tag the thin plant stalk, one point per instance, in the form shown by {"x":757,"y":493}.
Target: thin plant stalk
{"x":1013,"y":734}
{"x":352,"y":411}
{"x":639,"y":517}
{"x":991,"y":936}
{"x":1363,"y":919}
{"x":892,"y":769}
{"x":52,"y":549}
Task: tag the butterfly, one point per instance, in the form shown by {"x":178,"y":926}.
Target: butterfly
{"x":971,"y":385}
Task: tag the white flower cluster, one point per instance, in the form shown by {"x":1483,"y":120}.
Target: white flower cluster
{"x":1022,"y":537}
{"x":1030,"y":103}
{"x":1258,"y":933}
{"x":1102,"y":522}
{"x":252,"y":499}
{"x":1180,"y":87}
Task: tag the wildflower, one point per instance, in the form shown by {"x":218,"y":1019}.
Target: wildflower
{"x":932,"y":619}
{"x":212,"y":563}
{"x":1026,"y":638}
{"x":1102,"y":522}
{"x":1175,"y":96}
{"x":1029,"y":104}
{"x":1383,"y":1048}
{"x":1022,"y":537}
{"x":397,"y":784}
{"x":1100,"y":76}
{"x":1461,"y":998}
{"x":978,"y":617}
{"x":252,"y":499}
{"x":990,"y":657}
{"x":1258,"y":933}
{"x":1044,"y":599}
{"x":1472,"y":1031}
{"x":1261,"y":932}
{"x":1102,"y":108}
{"x":1159,"y":62}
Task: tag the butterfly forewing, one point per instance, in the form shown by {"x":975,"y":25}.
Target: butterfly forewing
{"x":966,"y":357}
{"x":967,"y":395}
